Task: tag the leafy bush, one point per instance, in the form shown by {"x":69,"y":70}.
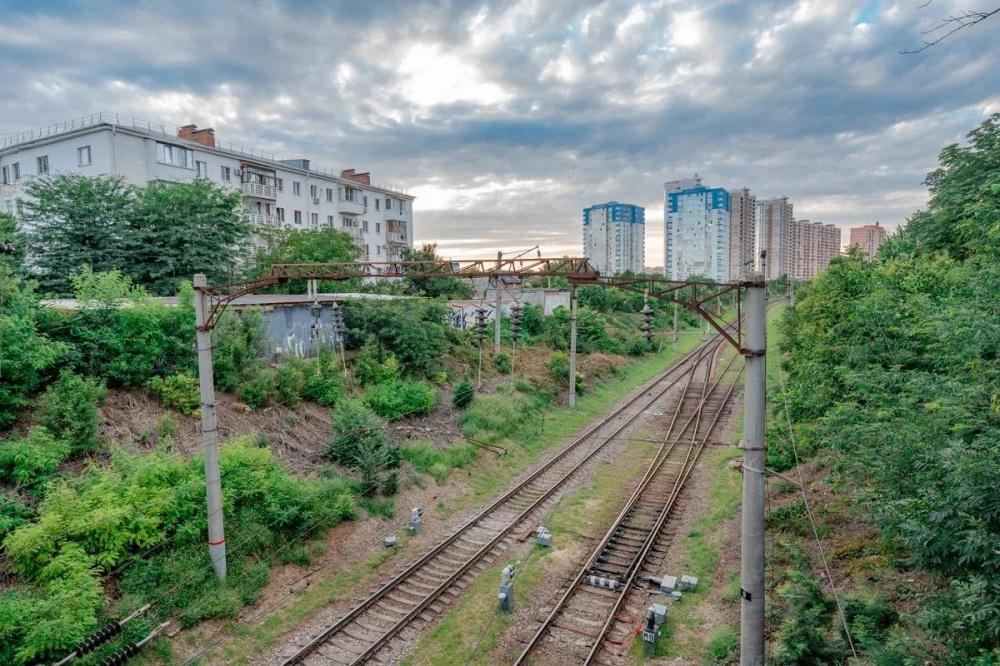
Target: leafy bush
{"x":68,"y":408}
{"x":374,"y":367}
{"x":463,"y":393}
{"x":558,"y":368}
{"x":723,"y":646}
{"x":412,"y":331}
{"x":290,"y":382}
{"x":259,"y":391}
{"x":240,"y":345}
{"x":324,"y":383}
{"x":27,"y":356}
{"x":503,"y":363}
{"x":91,"y":524}
{"x":361,"y":442}
{"x":34,"y":457}
{"x":404,"y":397}
{"x":802,"y":638}
{"x":179,"y":391}
{"x":13,"y":514}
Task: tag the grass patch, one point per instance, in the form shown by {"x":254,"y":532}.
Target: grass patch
{"x":436,"y":461}
{"x":248,"y":641}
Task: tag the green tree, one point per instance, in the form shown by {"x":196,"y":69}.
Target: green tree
{"x":963,"y":217}
{"x":294,"y":246}
{"x":434,"y":287}
{"x":179,"y":229}
{"x":11,"y":232}
{"x":76,"y":221}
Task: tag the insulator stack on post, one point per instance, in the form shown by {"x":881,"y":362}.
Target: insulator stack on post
{"x":337,"y":314}
{"x":480,"y":324}
{"x":647,"y":322}
{"x":316,"y":328}
{"x":102,"y":636}
{"x":515,"y":320}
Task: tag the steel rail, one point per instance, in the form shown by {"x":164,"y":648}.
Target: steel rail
{"x":695,"y":355}
{"x":654,"y":533}
{"x":668,"y":445}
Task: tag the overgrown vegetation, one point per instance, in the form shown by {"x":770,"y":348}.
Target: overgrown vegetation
{"x":152,"y":509}
{"x":893,"y":368}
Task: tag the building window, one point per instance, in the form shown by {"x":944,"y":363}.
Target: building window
{"x":367,"y":251}
{"x":376,"y":204}
{"x":314,"y":192}
{"x":5,"y":176}
{"x":378,"y":227}
{"x":364,"y":225}
{"x":15,"y":169}
{"x":281,"y":184}
{"x":298,"y":217}
{"x":296,"y":188}
{"x":175,"y":155}
{"x":378,"y":250}
{"x":366,"y":202}
{"x":329,"y":194}
{"x":280,"y":214}
{"x":83,"y":156}
{"x":227,"y":174}
{"x":201,"y":168}
{"x":42,"y":163}
{"x":314,"y":220}
{"x":329,"y":219}
{"x":388,"y":204}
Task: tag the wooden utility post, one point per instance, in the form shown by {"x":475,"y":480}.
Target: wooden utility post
{"x":572,"y":346}
{"x":209,"y":430}
{"x":752,"y":543}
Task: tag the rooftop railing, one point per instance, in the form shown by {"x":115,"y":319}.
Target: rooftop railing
{"x":128,"y":122}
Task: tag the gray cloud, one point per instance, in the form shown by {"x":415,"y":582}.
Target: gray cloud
{"x":507,"y":118}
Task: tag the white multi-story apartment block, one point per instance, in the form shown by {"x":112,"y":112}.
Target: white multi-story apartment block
{"x":614,"y":237}
{"x":696,"y":231}
{"x":774,"y":219}
{"x":277,"y":193}
{"x":742,"y":233}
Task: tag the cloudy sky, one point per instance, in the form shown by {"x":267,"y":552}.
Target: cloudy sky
{"x":506,"y":118}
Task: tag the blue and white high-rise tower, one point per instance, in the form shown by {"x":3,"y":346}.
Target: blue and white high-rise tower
{"x":614,"y":237}
{"x":696,"y":231}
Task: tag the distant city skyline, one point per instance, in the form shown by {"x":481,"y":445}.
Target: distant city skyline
{"x":477,"y":109}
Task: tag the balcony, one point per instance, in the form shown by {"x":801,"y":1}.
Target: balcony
{"x":259,"y":190}
{"x":258,"y":220}
{"x":396,"y":237}
{"x":345,"y":207}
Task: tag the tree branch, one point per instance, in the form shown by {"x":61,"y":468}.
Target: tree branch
{"x":965,"y":19}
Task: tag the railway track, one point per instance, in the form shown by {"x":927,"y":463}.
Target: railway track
{"x":593,"y":620}
{"x":419,"y":593}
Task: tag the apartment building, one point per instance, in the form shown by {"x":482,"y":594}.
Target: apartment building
{"x":774,"y":218}
{"x":277,"y":193}
{"x":810,"y":247}
{"x":614,"y":237}
{"x":869,"y":238}
{"x":696,"y":231}
{"x":742,"y":233}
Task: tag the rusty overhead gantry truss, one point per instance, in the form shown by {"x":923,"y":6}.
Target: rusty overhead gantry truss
{"x":692,"y":294}
{"x":748,"y":339}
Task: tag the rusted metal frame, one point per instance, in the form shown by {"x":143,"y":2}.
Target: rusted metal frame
{"x":714,"y":323}
{"x":719,"y":294}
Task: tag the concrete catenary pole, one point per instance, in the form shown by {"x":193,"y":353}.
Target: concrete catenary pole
{"x":572,"y":346}
{"x":673,"y":335}
{"x":496,"y":320}
{"x":209,"y":431}
{"x":752,"y":547}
